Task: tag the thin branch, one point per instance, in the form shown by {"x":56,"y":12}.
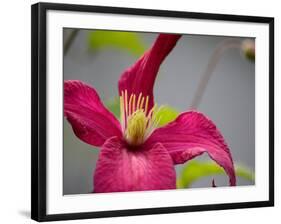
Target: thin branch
{"x":69,"y":41}
{"x":213,"y":61}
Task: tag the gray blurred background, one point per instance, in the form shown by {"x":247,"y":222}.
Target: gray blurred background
{"x":229,"y":99}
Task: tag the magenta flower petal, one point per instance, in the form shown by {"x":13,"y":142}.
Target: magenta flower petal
{"x":121,"y":169}
{"x":190,"y":135}
{"x":90,"y":120}
{"x":140,"y":77}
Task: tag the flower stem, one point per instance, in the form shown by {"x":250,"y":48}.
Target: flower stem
{"x":212,"y":63}
{"x":69,"y":41}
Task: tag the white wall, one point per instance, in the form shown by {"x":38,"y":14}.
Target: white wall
{"x":15,"y":110}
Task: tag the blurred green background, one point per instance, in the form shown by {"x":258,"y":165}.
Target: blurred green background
{"x":99,"y":57}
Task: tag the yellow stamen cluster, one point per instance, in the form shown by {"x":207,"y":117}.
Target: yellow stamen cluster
{"x":137,"y":122}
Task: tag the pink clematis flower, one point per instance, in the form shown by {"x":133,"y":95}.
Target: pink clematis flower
{"x":135,"y":153}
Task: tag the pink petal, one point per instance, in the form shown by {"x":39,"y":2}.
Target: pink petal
{"x":122,"y":169}
{"x":90,"y":120}
{"x":190,"y":135}
{"x":140,"y":77}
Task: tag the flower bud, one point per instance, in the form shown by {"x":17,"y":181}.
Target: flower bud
{"x":248,"y":49}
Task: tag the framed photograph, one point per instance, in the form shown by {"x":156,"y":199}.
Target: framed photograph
{"x":139,"y":111}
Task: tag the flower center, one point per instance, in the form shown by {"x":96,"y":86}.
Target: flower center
{"x":137,"y":122}
{"x":136,"y":127}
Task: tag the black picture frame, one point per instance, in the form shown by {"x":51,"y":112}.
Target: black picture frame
{"x":38,"y":116}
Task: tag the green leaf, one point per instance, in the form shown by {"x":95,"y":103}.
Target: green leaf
{"x":113,"y":105}
{"x":194,"y":170}
{"x":166,"y":114}
{"x":129,"y":41}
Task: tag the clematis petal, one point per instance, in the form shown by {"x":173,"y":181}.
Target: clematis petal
{"x":140,"y":77}
{"x":90,"y":120}
{"x":120,"y":169}
{"x":190,"y":135}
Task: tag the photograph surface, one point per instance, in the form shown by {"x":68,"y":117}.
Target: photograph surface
{"x":157,"y":111}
